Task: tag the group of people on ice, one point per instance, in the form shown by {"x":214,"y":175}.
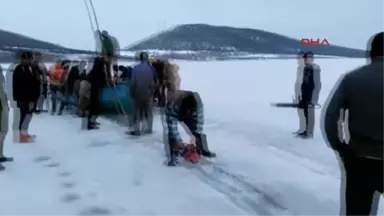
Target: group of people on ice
{"x":29,"y":83}
{"x":359,"y":92}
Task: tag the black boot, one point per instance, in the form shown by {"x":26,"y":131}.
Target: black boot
{"x":304,"y":135}
{"x":173,"y":160}
{"x":91,"y":126}
{"x":5,"y":159}
{"x":297,"y":132}
{"x":202,"y":146}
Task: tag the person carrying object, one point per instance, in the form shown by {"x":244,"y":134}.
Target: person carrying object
{"x":307,"y":90}
{"x":185,"y":107}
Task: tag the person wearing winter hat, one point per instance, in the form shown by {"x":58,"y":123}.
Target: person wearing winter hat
{"x":357,"y":98}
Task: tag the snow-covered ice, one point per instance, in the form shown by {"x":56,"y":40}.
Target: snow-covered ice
{"x":260,"y":170}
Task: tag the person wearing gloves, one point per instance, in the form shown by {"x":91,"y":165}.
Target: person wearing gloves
{"x":307,"y":90}
{"x":361,"y":93}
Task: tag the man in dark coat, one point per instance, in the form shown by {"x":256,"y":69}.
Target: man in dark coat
{"x":360,"y":93}
{"x":98,"y":77}
{"x":25,"y":92}
{"x":142,"y":87}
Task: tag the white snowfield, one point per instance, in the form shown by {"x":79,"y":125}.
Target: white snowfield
{"x":261,"y":169}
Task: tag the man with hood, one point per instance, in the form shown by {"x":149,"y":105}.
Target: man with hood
{"x":361,"y":93}
{"x":142,"y":88}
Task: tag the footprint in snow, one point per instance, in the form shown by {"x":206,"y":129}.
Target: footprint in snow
{"x":65,"y":174}
{"x":69,"y":185}
{"x":70,"y":197}
{"x":97,"y":144}
{"x":96,"y":210}
{"x":42,"y":159}
{"x":52,"y":165}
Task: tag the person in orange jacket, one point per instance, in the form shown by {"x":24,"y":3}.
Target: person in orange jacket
{"x":57,"y":76}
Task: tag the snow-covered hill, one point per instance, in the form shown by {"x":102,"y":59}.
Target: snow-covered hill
{"x":217,"y":41}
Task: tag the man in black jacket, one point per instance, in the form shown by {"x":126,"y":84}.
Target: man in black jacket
{"x":98,"y":77}
{"x":25,"y":92}
{"x":359,"y":92}
{"x":307,"y":90}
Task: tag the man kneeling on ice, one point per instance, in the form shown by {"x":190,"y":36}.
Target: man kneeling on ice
{"x":185,"y":107}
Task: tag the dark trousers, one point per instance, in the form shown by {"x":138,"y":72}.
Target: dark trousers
{"x":25,"y":111}
{"x":160,"y":95}
{"x":364,"y":177}
{"x":142,"y":112}
{"x":64,"y":103}
{"x":309,"y":112}
{"x":54,"y":95}
{"x":94,"y":105}
{"x":190,"y":122}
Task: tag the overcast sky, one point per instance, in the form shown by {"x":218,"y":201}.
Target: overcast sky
{"x":343,"y":22}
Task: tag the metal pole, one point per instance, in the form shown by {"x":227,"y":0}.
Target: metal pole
{"x":89,"y":17}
